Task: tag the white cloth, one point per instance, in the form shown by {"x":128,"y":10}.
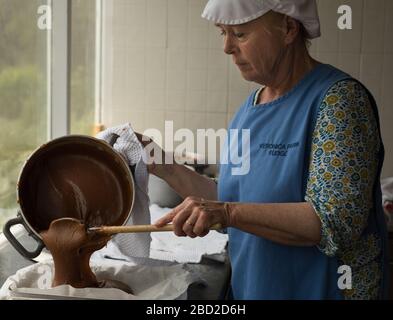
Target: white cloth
{"x":133,"y":245}
{"x":233,"y":12}
{"x":147,"y":283}
{"x":387,"y":189}
{"x":387,"y":200}
{"x":167,"y":246}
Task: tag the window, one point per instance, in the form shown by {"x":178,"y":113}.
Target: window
{"x":40,"y":100}
{"x":83,"y":51}
{"x":23,"y":93}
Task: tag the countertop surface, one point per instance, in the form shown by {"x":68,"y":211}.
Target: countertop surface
{"x":215,"y":274}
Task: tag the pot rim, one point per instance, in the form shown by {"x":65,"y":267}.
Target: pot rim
{"x":72,"y":137}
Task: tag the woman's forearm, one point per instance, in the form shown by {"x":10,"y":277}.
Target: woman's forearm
{"x":293,"y":224}
{"x":187,"y":182}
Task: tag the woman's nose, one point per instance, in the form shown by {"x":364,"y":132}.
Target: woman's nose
{"x":228,"y":45}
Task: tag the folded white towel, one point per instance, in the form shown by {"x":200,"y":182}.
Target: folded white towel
{"x":133,"y":245}
{"x":166,"y":246}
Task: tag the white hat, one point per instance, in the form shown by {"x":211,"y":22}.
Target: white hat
{"x":232,"y":12}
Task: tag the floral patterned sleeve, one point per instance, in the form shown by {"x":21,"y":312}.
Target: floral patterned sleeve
{"x":343,"y":165}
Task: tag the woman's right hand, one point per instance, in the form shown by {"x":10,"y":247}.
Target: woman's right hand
{"x":159,"y":162}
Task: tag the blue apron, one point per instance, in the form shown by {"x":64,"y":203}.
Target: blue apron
{"x":280,"y":144}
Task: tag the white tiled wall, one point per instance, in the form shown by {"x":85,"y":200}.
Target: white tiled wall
{"x":365,"y":52}
{"x":163,"y":62}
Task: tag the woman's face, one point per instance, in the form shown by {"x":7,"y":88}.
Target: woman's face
{"x":257,"y":47}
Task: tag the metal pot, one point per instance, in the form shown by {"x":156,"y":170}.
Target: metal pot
{"x":74,"y":176}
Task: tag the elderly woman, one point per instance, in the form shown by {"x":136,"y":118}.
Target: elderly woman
{"x":306,"y":223}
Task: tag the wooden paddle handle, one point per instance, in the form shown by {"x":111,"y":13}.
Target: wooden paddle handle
{"x":139,"y":229}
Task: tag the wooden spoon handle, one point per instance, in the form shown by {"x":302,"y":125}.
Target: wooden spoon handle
{"x":139,"y":228}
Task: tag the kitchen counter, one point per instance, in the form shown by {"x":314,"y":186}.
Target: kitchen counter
{"x":214,"y":273}
{"x":217,"y":276}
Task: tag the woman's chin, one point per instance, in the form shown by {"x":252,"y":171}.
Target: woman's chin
{"x":249,"y":76}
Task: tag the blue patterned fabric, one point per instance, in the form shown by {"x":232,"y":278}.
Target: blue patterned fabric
{"x":346,"y":144}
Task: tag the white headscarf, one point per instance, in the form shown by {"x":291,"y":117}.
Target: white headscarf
{"x":233,"y":12}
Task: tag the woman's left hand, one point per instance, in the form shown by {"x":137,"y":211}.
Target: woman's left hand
{"x":194,"y":217}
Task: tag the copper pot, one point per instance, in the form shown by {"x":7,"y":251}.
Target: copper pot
{"x":74,"y":176}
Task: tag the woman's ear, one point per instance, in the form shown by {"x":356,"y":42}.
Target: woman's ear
{"x":292,"y":29}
